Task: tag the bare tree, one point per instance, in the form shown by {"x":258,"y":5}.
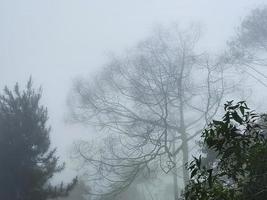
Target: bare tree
{"x":150,"y":104}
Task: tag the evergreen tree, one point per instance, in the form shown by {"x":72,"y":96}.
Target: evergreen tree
{"x":27,"y":163}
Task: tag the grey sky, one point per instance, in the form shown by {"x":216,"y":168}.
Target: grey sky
{"x":56,"y":40}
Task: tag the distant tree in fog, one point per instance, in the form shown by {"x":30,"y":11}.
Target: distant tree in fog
{"x":150,"y":104}
{"x":79,"y":192}
{"x":27,"y":163}
{"x":248,"y":48}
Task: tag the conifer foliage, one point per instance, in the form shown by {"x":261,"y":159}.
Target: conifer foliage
{"x":27,"y":163}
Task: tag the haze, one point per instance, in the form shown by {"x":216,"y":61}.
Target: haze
{"x":56,"y":41}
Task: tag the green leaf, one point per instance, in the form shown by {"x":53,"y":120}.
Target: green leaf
{"x":193,"y":173}
{"x":210,"y":177}
{"x":237,"y":118}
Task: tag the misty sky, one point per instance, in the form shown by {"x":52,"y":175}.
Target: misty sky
{"x":57,"y":40}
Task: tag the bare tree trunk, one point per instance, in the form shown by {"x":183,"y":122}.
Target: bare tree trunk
{"x":182,"y":122}
{"x":175,"y":178}
{"x":185,"y":158}
{"x":185,"y":150}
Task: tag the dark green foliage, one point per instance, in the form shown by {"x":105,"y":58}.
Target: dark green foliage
{"x":240,"y":170}
{"x":26,"y":161}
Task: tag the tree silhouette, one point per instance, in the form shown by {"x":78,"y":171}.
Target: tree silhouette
{"x":27,"y":162}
